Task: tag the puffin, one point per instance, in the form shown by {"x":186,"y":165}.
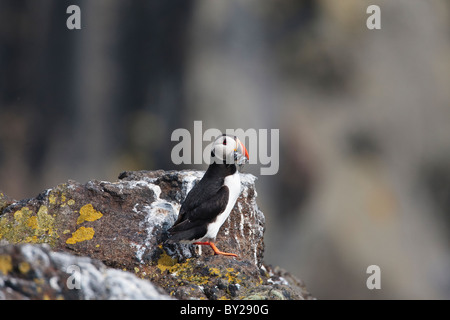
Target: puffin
{"x":211,"y":200}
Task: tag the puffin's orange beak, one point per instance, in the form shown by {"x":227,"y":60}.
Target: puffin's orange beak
{"x":245,"y":151}
{"x":241,"y":148}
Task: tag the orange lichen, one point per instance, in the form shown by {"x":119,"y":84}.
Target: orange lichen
{"x":88,"y":213}
{"x":81,"y":234}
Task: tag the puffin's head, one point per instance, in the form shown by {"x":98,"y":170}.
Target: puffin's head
{"x":228,"y":149}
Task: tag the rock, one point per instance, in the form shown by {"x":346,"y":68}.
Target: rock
{"x":5,"y":201}
{"x":34,"y":272}
{"x":124,"y":224}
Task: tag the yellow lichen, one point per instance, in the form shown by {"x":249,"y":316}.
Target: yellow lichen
{"x":88,"y":213}
{"x":45,"y":221}
{"x":32,"y":222}
{"x":188,"y":272}
{"x":57,"y":196}
{"x":5,"y":264}
{"x":214,"y":271}
{"x":81,"y":234}
{"x":24,"y":267}
{"x":25,"y":226}
{"x":52,"y":199}
{"x":33,"y":239}
{"x":63,"y":200}
{"x":184,"y":272}
{"x":230,"y":275}
{"x":21,"y":217}
{"x":18,"y":215}
{"x":166,"y":262}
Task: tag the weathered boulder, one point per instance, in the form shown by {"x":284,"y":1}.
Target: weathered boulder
{"x":124,"y":224}
{"x":35,"y":272}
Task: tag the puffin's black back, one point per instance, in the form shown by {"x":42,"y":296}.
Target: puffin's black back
{"x":208,"y":186}
{"x":204,"y":202}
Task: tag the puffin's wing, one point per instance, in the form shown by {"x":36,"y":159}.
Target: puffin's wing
{"x":193,"y":216}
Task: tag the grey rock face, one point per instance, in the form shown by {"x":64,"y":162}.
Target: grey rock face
{"x":35,"y":272}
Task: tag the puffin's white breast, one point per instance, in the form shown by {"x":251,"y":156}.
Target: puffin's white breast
{"x":233,"y":182}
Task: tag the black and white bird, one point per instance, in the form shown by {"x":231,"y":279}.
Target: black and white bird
{"x":212,"y":199}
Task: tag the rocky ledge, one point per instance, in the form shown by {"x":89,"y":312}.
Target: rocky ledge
{"x":115,"y":232}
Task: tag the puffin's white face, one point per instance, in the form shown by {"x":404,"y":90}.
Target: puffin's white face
{"x":229,"y":150}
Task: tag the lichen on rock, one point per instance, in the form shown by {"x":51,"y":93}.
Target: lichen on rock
{"x":35,"y":272}
{"x":88,"y":213}
{"x":26,"y":225}
{"x":81,"y":234}
{"x":124,"y":224}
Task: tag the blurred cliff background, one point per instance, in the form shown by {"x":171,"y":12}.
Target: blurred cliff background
{"x":364,"y":118}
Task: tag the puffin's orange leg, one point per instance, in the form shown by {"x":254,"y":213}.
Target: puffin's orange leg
{"x":216,"y":251}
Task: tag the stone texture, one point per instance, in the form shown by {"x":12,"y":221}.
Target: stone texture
{"x":35,"y":272}
{"x":124,"y":224}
